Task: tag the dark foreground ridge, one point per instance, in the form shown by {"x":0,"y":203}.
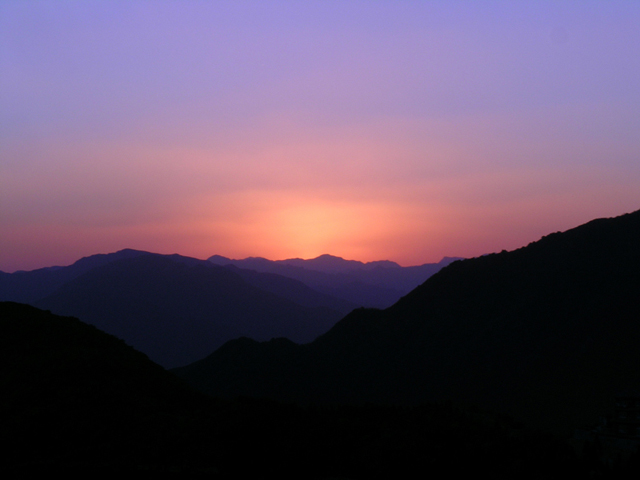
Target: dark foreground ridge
{"x":73,"y":395}
{"x":548,"y":333}
{"x":78,"y":401}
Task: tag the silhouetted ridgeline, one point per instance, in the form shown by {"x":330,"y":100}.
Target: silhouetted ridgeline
{"x":176,"y":309}
{"x":28,"y":287}
{"x":373,"y":284}
{"x":73,"y":394}
{"x":75,"y":400}
{"x":548,"y":333}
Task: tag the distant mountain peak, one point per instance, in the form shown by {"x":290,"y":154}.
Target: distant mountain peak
{"x":327,"y":256}
{"x":120,"y":254}
{"x":326,"y":263}
{"x":219,"y":260}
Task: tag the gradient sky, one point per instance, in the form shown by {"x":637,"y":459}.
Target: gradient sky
{"x":370,"y":130}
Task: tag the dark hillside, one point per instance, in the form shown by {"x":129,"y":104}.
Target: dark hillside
{"x":71,"y":393}
{"x":76,"y":401}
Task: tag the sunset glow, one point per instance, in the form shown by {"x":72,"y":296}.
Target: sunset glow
{"x":405,"y":131}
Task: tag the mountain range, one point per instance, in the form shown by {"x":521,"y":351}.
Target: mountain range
{"x":377,"y":284}
{"x":179,"y":309}
{"x":75,"y":402}
{"x":547,"y":333}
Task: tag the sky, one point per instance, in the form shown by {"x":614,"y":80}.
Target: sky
{"x":405,"y":131}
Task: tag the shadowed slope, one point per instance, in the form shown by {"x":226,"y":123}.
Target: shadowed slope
{"x":71,"y":393}
{"x":77,"y":401}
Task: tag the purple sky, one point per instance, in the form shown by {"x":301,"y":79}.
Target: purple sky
{"x":397,"y":130}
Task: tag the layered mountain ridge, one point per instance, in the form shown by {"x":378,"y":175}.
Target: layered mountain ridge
{"x":178,"y":309}
{"x":377,"y":284}
{"x":547,"y":333}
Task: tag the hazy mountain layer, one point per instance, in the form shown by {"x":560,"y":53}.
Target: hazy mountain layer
{"x":548,"y":333}
{"x":161,"y":318}
{"x":374,"y":284}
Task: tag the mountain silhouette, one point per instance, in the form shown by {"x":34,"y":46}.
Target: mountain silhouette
{"x":65,"y":291}
{"x":76,"y":401}
{"x":27,"y":287}
{"x":73,"y":395}
{"x":376,"y":284}
{"x":174,"y":325}
{"x":178,"y":309}
{"x":547,"y":333}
